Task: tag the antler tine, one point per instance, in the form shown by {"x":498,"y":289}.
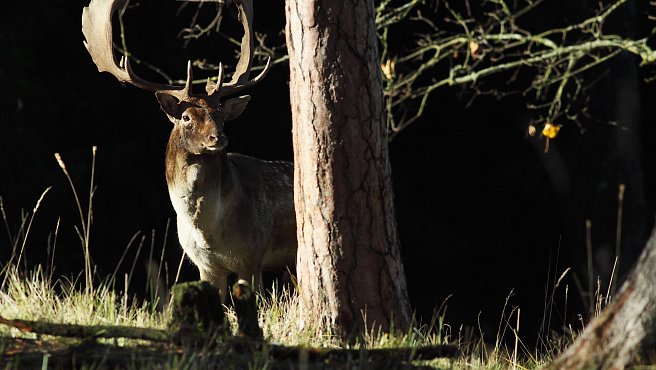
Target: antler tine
{"x":97,"y":30}
{"x":190,"y":78}
{"x":212,"y":87}
{"x":233,"y":89}
{"x":187,"y":90}
{"x":219,"y":79}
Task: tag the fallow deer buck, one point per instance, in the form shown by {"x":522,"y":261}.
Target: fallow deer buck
{"x":234,"y":213}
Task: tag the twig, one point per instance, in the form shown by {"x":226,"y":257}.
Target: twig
{"x":477,"y":49}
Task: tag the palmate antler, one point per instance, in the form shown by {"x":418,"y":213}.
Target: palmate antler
{"x":97,"y":30}
{"x":240,"y":81}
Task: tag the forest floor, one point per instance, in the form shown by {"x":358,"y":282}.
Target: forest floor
{"x":26,"y":353}
{"x":35,"y":296}
{"x":30,"y":302}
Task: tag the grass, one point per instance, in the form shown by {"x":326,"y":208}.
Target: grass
{"x":35,"y":294}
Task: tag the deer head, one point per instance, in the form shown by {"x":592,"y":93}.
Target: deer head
{"x":199,"y":116}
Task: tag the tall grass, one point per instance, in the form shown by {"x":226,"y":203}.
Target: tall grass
{"x":85,"y":216}
{"x":34,"y":294}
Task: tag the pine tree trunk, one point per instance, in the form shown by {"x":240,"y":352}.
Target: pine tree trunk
{"x":348,"y":258}
{"x":626,"y":329}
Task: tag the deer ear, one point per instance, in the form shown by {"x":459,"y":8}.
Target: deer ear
{"x":235,"y":106}
{"x":169,"y":104}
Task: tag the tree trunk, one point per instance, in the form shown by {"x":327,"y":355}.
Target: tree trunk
{"x":626,"y":329}
{"x":348,"y":258}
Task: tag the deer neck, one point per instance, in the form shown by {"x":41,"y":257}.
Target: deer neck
{"x":198,"y":183}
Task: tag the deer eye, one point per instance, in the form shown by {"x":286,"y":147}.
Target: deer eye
{"x":185,"y":118}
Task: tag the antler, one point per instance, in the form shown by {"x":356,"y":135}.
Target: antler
{"x":239,"y":81}
{"x":97,"y":30}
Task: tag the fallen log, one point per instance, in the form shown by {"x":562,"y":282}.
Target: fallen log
{"x":87,"y":331}
{"x":24,"y":353}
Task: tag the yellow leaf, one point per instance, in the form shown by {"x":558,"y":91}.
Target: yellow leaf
{"x":388,"y":69}
{"x":550,"y":130}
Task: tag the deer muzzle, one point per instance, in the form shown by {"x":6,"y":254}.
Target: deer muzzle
{"x":216,"y":143}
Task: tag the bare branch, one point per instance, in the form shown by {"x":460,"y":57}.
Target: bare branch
{"x":474,"y":49}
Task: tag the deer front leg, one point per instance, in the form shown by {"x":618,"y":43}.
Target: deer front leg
{"x":219,"y":279}
{"x":253,"y":276}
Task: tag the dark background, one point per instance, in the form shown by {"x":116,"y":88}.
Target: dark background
{"x":481,"y":209}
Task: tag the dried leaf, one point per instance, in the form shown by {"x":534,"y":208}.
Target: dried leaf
{"x":550,"y":130}
{"x":473,"y":47}
{"x":388,"y":69}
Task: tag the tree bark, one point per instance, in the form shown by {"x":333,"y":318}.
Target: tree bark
{"x":348,"y":258}
{"x":626,"y":329}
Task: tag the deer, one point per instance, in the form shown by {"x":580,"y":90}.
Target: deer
{"x":235,"y":213}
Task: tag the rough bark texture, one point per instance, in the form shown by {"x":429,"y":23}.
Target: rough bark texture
{"x":626,"y":329}
{"x":348,"y":259}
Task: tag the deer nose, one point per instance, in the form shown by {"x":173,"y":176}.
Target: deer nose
{"x":217,"y":141}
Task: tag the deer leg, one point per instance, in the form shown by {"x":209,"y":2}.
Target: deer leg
{"x":219,"y":279}
{"x":254,"y":278}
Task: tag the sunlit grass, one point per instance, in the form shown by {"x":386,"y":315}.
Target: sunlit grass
{"x":33,"y":296}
